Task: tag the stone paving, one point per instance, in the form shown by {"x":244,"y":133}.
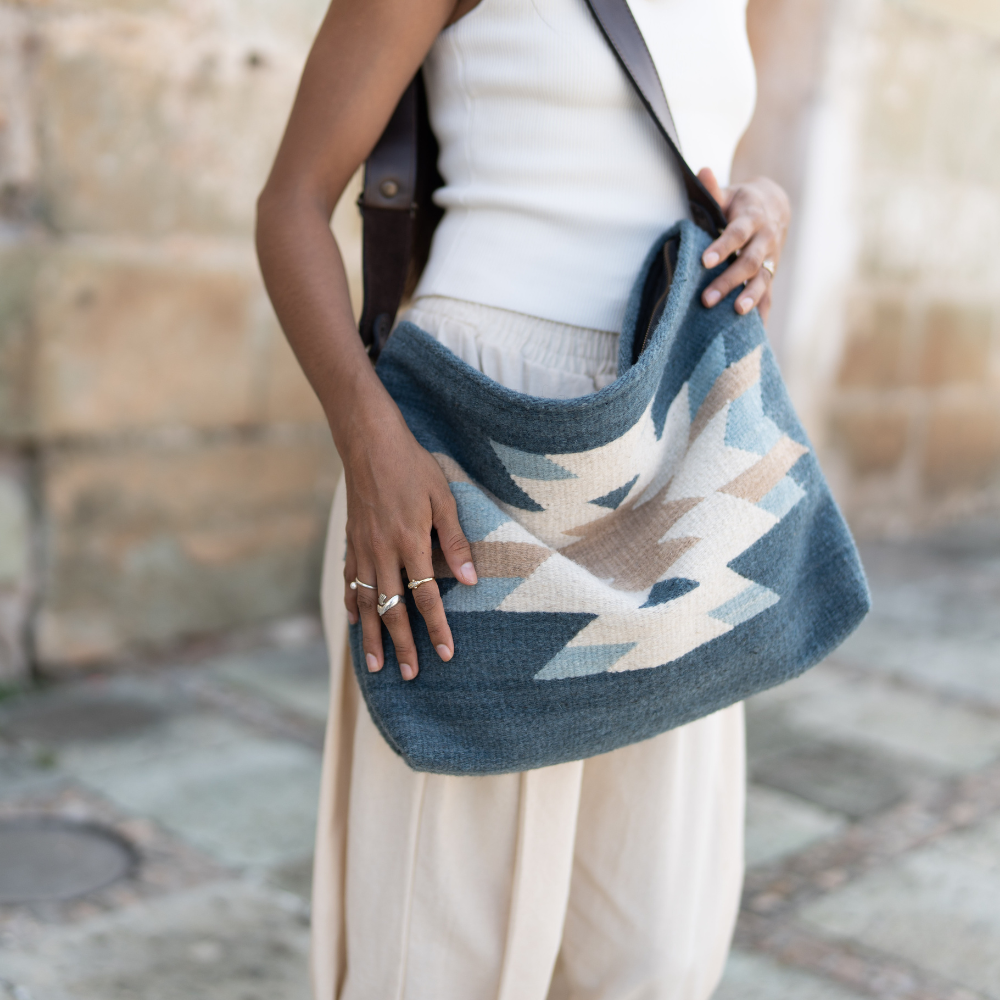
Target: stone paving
{"x":873,"y":838}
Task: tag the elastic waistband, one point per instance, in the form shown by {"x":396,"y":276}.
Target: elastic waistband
{"x":541,"y":341}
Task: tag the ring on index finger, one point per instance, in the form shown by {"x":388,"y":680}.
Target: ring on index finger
{"x":413,"y":584}
{"x":769,"y":266}
{"x":385,"y":603}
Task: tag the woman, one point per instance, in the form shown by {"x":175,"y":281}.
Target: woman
{"x":614,"y":877}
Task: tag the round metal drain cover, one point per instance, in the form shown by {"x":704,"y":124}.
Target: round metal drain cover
{"x":50,"y":859}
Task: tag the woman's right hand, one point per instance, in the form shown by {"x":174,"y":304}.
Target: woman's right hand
{"x":396,"y":493}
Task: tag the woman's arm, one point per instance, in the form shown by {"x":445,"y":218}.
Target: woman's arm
{"x":364,"y":56}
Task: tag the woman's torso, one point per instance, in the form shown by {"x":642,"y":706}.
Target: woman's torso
{"x":556,"y":180}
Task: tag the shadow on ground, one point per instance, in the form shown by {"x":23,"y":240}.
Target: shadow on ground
{"x":873,"y":836}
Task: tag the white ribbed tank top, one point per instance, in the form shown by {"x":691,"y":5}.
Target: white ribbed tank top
{"x":556,"y":180}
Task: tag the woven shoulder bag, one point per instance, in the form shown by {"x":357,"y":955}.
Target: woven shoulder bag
{"x":647,"y":554}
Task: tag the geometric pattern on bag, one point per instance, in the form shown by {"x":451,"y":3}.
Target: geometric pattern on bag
{"x":639,"y":532}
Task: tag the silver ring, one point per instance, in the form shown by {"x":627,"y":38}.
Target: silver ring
{"x":413,"y":584}
{"x":355,"y":583}
{"x":768,"y":266}
{"x":385,"y":603}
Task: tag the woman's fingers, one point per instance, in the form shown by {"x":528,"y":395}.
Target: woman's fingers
{"x":743,"y":270}
{"x":734,"y":237}
{"x":758,"y":213}
{"x":371,"y":626}
{"x":396,"y":620}
{"x":753,"y":293}
{"x":454,"y":545}
{"x":427,"y":598}
{"x":350,"y":575}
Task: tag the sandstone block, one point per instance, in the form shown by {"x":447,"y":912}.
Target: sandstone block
{"x":962,"y":448}
{"x":14,"y":528}
{"x":156,"y":123}
{"x":294,"y":21}
{"x":898,"y":108}
{"x":16,"y":538}
{"x":956,"y":344}
{"x":875,"y":345}
{"x":873,"y":434}
{"x":128,"y":341}
{"x":18,"y":267}
{"x":146,"y":545}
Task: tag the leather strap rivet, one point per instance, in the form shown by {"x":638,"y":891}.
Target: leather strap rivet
{"x":388,"y":189}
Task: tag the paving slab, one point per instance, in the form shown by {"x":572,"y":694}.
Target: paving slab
{"x":833,"y":705}
{"x":292,"y":678}
{"x":247,"y":801}
{"x":979,"y":844}
{"x":938,"y":908}
{"x":227,"y":941}
{"x":176,"y":736}
{"x":779,"y":824}
{"x":26,"y":772}
{"x":934,"y":613}
{"x":842,"y":777}
{"x":758,"y":977}
{"x":294,"y":878}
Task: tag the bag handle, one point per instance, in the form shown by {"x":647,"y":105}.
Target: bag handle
{"x":389,"y":201}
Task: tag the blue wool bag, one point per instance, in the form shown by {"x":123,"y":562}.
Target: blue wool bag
{"x":647,"y":555}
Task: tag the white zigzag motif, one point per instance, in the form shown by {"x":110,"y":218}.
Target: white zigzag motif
{"x":639,"y":531}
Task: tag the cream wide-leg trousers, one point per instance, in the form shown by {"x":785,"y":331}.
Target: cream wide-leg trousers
{"x":613,"y":878}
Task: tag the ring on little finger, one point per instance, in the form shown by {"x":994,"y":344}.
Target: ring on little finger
{"x":385,"y":603}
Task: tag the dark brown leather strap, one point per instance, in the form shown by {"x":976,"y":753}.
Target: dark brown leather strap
{"x":618,"y":26}
{"x":388,"y":206}
{"x":390,"y":200}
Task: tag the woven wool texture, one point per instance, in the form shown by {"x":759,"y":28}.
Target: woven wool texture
{"x":646,"y":555}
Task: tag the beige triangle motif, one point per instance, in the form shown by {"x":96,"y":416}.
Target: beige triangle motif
{"x":730,"y":385}
{"x":624,"y":546}
{"x":755,"y":484}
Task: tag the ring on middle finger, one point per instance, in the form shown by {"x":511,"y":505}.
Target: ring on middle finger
{"x":385,"y":603}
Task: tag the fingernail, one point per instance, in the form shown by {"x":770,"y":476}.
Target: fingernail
{"x":352,"y":617}
{"x":712,"y":296}
{"x":407,"y":671}
{"x":468,"y":573}
{"x":443,"y":651}
{"x":372,"y":660}
{"x":745,"y":304}
{"x":710,"y":259}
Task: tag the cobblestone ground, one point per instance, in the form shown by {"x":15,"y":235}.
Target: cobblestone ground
{"x":873,"y":829}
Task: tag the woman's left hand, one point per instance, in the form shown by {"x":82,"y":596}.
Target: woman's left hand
{"x":758,"y":213}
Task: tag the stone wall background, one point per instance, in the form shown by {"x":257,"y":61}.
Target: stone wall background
{"x":164,"y":469}
{"x":890,"y":338}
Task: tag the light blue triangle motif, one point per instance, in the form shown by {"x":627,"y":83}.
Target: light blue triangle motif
{"x":528,"y":465}
{"x":477,"y":514}
{"x":747,"y":428}
{"x":581,"y":661}
{"x":705,"y":374}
